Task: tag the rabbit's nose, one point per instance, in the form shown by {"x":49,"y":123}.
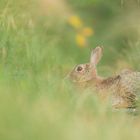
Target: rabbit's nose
{"x":67,"y":77}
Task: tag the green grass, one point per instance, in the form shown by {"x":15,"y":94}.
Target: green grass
{"x":37,"y":51}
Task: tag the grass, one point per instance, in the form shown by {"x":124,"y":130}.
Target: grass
{"x":36,"y":53}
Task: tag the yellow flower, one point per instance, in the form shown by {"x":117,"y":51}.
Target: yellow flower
{"x":81,"y":40}
{"x":75,"y":21}
{"x":87,"y":31}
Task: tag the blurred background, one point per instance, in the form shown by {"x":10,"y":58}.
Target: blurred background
{"x":40,"y":42}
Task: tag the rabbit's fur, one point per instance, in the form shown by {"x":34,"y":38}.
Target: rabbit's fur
{"x":123,"y":88}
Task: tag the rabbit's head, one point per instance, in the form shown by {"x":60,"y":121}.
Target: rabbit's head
{"x":88,"y":71}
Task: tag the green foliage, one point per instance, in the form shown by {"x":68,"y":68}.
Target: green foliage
{"x":38,"y":51}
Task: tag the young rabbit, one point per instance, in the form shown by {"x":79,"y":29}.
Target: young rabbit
{"x":123,"y":88}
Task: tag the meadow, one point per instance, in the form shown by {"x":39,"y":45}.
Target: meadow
{"x":40,"y":42}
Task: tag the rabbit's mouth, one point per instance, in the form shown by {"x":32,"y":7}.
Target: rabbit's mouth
{"x":75,"y":80}
{"x":80,"y":80}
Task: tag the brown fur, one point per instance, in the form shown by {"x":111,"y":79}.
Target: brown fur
{"x":124,"y":89}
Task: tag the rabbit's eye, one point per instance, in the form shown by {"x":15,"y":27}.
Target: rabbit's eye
{"x":79,"y":68}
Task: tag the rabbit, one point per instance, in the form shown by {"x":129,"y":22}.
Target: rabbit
{"x":123,"y":88}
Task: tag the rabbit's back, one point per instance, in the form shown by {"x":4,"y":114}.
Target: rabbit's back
{"x":127,"y":90}
{"x":130,"y":81}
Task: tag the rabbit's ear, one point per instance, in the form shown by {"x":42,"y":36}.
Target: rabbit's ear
{"x":96,"y":55}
